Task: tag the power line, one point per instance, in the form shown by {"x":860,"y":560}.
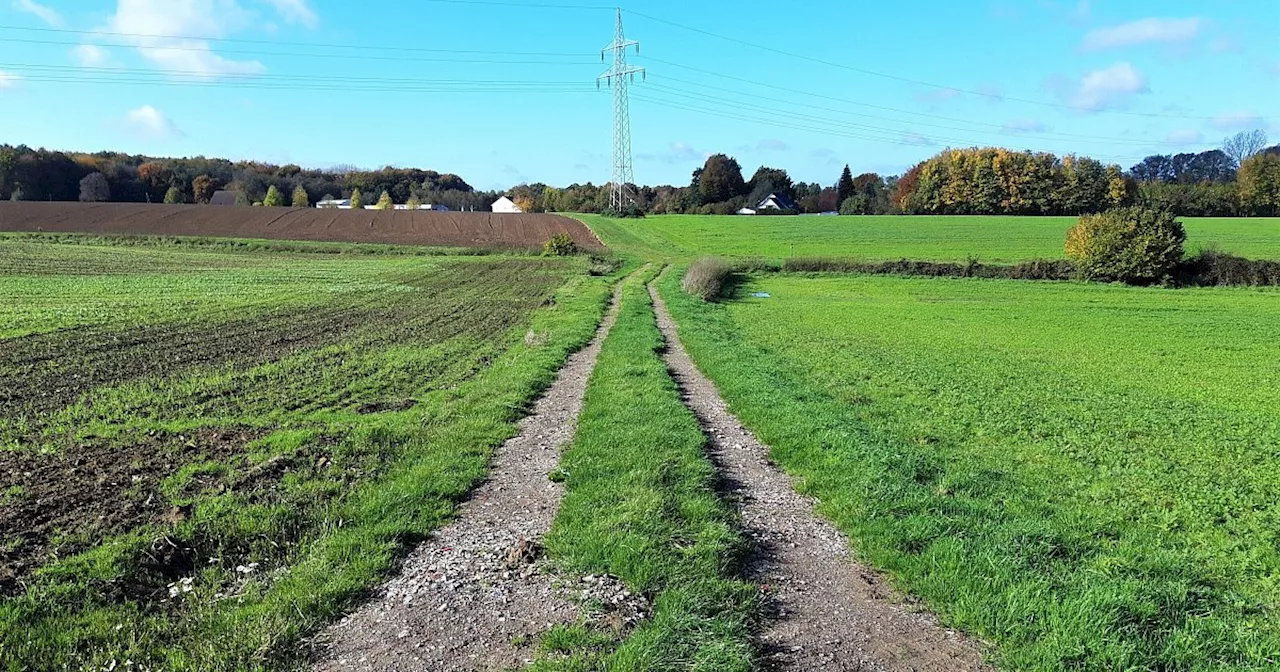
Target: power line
{"x":900,"y":78}
{"x":265,"y":77}
{"x":902,"y":139}
{"x":1001,"y":130}
{"x":277,"y":43}
{"x":259,"y":52}
{"x":847,"y":101}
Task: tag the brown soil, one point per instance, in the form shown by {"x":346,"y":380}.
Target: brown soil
{"x":826,"y":611}
{"x":90,"y":491}
{"x":393,"y":227}
{"x":477,"y":594}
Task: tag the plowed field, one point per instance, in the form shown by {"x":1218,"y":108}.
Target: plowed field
{"x":393,"y":227}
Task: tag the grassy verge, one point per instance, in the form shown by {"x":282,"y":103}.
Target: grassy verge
{"x":1081,"y":474}
{"x":641,"y":505}
{"x":341,"y":494}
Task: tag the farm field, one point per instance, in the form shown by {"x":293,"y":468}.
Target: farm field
{"x":206,"y":453}
{"x":392,"y":227}
{"x":1083,"y":475}
{"x":888,"y":238}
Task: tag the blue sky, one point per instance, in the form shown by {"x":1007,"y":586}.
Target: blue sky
{"x":504,"y":92}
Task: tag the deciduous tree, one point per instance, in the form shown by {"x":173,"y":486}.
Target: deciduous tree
{"x":1243,"y":145}
{"x":721,"y":180}
{"x":300,"y":198}
{"x":273,"y":198}
{"x":203,"y":188}
{"x":385,"y":202}
{"x":357,"y":200}
{"x":94,"y":188}
{"x":174,"y":196}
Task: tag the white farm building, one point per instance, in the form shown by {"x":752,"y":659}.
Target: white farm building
{"x":506,"y":205}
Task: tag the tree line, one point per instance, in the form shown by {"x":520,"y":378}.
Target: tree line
{"x":46,"y":175}
{"x":1240,"y":179}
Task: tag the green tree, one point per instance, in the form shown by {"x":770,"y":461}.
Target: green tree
{"x":385,"y":202}
{"x":357,"y":199}
{"x":769,"y":181}
{"x":174,"y":196}
{"x":273,"y":198}
{"x":242,"y":198}
{"x":845,"y":188}
{"x":300,"y":198}
{"x":413,"y":203}
{"x":720,"y":180}
{"x":17,"y":194}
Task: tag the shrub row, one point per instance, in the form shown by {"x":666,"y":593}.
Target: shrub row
{"x":1040,"y":269}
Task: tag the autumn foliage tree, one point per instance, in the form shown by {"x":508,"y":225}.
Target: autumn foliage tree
{"x":385,"y":202}
{"x":203,"y":188}
{"x":94,"y":188}
{"x":1133,"y":245}
{"x":996,"y":181}
{"x":1259,"y":182}
{"x":300,"y":198}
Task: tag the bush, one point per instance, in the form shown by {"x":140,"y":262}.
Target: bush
{"x":1138,"y":246}
{"x":706,"y":278}
{"x":627,"y":212}
{"x":1214,"y":268}
{"x":560,"y":245}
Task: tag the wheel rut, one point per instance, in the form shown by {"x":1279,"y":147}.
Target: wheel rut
{"x":824,"y":610}
{"x":474,"y":596}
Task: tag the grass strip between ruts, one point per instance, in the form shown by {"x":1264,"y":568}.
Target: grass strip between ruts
{"x":641,"y":504}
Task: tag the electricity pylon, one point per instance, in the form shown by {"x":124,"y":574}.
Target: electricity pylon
{"x":619,"y":77}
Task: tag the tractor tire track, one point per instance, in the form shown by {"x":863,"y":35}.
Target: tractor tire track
{"x":474,"y":596}
{"x":824,"y":610}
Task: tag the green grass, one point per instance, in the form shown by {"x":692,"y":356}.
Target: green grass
{"x":321,"y":441}
{"x":1085,"y":475}
{"x":640,"y":505}
{"x":888,"y":238}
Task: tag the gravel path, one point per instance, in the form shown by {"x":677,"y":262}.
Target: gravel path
{"x":476,"y":595}
{"x":827,"y":612}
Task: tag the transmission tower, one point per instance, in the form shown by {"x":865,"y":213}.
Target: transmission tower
{"x":619,"y":77}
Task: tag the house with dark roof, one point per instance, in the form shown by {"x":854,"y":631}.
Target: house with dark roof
{"x":776,"y":201}
{"x":224,"y":198}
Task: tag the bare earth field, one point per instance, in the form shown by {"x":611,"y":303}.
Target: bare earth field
{"x":392,"y":227}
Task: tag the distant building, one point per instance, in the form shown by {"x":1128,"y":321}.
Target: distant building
{"x":747,"y":211}
{"x":224,"y":198}
{"x":506,"y":205}
{"x":776,"y":202}
{"x":335,"y":203}
{"x":427,"y":206}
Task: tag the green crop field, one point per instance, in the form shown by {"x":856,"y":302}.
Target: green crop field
{"x":1084,"y":475}
{"x":209,"y":451}
{"x":887,"y":238}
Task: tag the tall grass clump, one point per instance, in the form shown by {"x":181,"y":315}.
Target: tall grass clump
{"x":1137,"y":246}
{"x":706,"y":278}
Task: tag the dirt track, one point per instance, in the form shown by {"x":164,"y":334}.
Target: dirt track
{"x":824,"y":610}
{"x":395,"y":227}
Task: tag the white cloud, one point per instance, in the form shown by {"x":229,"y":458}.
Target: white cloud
{"x":8,"y":79}
{"x":1111,"y":87}
{"x":149,"y":123}
{"x":195,"y":21}
{"x":46,"y":14}
{"x":1237,"y":121}
{"x":827,"y":155}
{"x":1143,"y":31}
{"x":91,"y":55}
{"x":771,"y":145}
{"x":1184,"y":136}
{"x":1024,"y":126}
{"x":296,"y":11}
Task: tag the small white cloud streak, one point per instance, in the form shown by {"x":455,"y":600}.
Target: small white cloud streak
{"x":1143,"y":31}
{"x":46,"y":14}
